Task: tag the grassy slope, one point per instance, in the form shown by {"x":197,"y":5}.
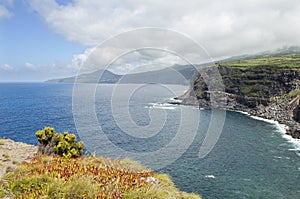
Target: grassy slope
{"x":87,"y":177}
{"x":256,"y":80}
{"x":287,"y":61}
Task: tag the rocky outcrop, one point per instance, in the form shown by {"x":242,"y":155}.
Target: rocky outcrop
{"x":12,"y":153}
{"x":265,"y":91}
{"x":296,"y":113}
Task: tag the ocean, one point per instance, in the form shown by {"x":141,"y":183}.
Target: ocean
{"x":251,"y":158}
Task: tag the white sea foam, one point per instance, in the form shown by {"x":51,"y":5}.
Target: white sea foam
{"x":282,"y":129}
{"x":160,"y":106}
{"x":210,"y":176}
{"x":174,"y":100}
{"x":245,"y":113}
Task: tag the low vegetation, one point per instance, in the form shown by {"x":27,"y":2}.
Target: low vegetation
{"x":287,"y":61}
{"x":256,"y":81}
{"x":294,"y":92}
{"x":64,"y":144}
{"x":6,"y":155}
{"x":64,"y":174}
{"x":87,"y":177}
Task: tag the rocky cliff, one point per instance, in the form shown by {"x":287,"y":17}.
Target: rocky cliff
{"x":267,"y":87}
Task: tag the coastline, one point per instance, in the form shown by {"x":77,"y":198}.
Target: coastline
{"x":283,"y":128}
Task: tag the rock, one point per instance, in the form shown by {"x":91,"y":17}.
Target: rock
{"x":153,"y":181}
{"x":13,"y":152}
{"x":9,"y":169}
{"x":295,"y":133}
{"x":259,"y":91}
{"x":296,"y":113}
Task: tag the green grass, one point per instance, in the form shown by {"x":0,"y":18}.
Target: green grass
{"x":86,"y":177}
{"x":3,"y":192}
{"x":164,"y":189}
{"x":294,"y":92}
{"x":6,"y":155}
{"x":288,"y":61}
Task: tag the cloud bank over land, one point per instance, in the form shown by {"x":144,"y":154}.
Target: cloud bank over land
{"x":224,"y":27}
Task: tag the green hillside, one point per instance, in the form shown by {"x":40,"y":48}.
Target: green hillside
{"x":286,"y":61}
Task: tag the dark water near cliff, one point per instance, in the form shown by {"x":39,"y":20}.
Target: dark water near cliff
{"x":250,"y":160}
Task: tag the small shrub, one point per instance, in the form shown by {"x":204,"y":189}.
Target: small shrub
{"x":6,"y":155}
{"x":46,"y":135}
{"x":2,"y":142}
{"x":46,"y":140}
{"x":64,"y":144}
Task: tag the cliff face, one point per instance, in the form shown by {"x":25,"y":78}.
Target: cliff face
{"x":267,"y":87}
{"x":252,"y":87}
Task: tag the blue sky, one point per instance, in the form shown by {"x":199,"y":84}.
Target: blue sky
{"x":26,"y":41}
{"x":44,"y":39}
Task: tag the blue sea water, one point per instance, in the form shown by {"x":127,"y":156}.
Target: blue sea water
{"x":250,"y":160}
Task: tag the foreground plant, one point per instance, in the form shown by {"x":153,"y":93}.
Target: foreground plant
{"x":64,"y":144}
{"x":86,"y":177}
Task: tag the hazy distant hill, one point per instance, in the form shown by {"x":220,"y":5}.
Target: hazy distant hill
{"x":177,"y":74}
{"x":107,"y":77}
{"x":278,"y":52}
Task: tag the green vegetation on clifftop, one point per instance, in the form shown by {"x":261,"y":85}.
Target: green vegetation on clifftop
{"x":265,"y":86}
{"x":87,"y":177}
{"x":256,"y":81}
{"x":287,"y":61}
{"x":63,"y":174}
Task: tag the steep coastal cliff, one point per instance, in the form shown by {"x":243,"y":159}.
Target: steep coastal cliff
{"x":267,"y":87}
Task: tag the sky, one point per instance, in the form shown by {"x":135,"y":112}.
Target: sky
{"x":45,"y":39}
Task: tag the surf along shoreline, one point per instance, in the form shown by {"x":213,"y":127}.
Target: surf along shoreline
{"x":285,"y":128}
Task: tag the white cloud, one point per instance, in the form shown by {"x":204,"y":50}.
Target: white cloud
{"x":224,"y":28}
{"x":29,"y":66}
{"x":128,"y":57}
{"x":6,"y":67}
{"x":5,"y":13}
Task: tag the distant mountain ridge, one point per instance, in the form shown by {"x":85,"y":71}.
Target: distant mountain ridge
{"x":106,"y":77}
{"x":177,"y":74}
